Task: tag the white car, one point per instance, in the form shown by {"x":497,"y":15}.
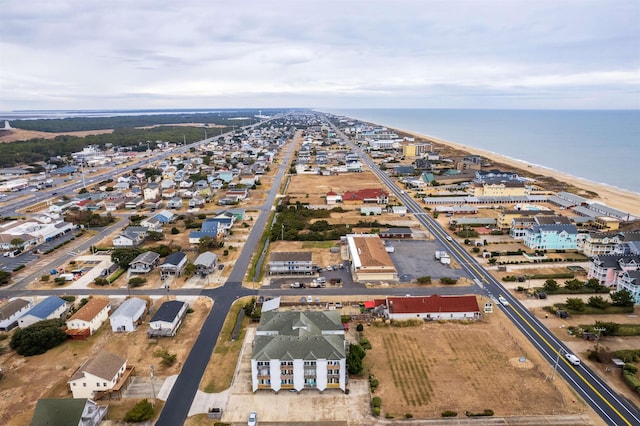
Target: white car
{"x":449,"y":238}
{"x":503,"y":301}
{"x":572,"y":359}
{"x":253,"y":419}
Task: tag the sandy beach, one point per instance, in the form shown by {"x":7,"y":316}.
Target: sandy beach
{"x":621,"y":199}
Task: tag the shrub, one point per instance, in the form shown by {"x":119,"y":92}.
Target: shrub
{"x":408,"y":415}
{"x":38,"y":338}
{"x":447,"y":280}
{"x":168,"y":359}
{"x":376,"y":401}
{"x":140,"y":412}
{"x":175,"y":231}
{"x":101,"y":281}
{"x":136,"y":282}
{"x":632,"y":381}
{"x":449,"y":413}
{"x":424,"y":280}
{"x":69,"y":299}
{"x":360,"y":327}
{"x":44,"y":278}
{"x":364,"y":342}
{"x":630,"y":368}
{"x":376,"y":411}
{"x":388,"y":416}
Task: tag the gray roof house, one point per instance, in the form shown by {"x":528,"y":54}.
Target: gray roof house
{"x":98,"y":374}
{"x":298,"y":350}
{"x":290,"y":263}
{"x":11,"y":311}
{"x":128,"y":315}
{"x":173,"y":265}
{"x":144,"y":262}
{"x":167,"y":319}
{"x":206,"y":263}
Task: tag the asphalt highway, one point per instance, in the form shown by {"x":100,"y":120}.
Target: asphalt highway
{"x":612,"y":407}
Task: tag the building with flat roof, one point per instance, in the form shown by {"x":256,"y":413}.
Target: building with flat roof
{"x":369,"y":258}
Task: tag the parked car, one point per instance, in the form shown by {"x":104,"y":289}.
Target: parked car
{"x":253,"y":419}
{"x":296,"y":285}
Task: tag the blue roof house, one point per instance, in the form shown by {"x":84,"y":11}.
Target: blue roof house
{"x":209,"y":228}
{"x":50,"y":308}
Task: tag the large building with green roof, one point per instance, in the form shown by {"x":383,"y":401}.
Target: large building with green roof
{"x":298,"y":350}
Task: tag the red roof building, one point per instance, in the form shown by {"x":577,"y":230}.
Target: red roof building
{"x":367,"y":195}
{"x":433,"y":307}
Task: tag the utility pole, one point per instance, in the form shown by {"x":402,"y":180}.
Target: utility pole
{"x":555,"y":367}
{"x":153,"y":389}
{"x":282,"y":233}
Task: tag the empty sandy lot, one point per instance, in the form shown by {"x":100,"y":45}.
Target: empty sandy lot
{"x":427,"y":369}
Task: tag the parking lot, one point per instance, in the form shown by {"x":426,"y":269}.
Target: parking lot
{"x":415,"y":258}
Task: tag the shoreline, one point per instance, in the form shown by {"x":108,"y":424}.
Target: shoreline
{"x":618,"y":198}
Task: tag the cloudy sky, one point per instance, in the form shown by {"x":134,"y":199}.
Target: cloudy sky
{"x":258,"y":53}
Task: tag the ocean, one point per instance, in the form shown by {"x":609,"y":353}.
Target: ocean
{"x":602,"y":146}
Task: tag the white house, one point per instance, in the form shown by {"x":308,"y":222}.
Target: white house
{"x":50,"y":308}
{"x":428,"y":308}
{"x":128,"y":315}
{"x":144,"y":262}
{"x":89,"y":318}
{"x":11,"y":311}
{"x":101,"y":373}
{"x":167,"y":319}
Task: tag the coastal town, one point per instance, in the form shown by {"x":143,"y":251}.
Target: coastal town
{"x":305,"y":267}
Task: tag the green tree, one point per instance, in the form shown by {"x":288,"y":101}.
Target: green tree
{"x":551,"y":286}
{"x":140,"y":412}
{"x":622,"y":298}
{"x":154,"y":236}
{"x":597,"y":302}
{"x":38,"y":338}
{"x":575,"y":304}
{"x":610,"y":328}
{"x":16,"y":242}
{"x":136,"y":282}
{"x":4,"y":277}
{"x":355,"y":357}
{"x":574,"y":284}
{"x":189,"y":269}
{"x":123,"y":256}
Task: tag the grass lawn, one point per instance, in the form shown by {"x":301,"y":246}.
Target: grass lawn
{"x":222,"y":364}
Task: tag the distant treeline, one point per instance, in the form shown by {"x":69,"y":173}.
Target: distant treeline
{"x":33,"y":150}
{"x":73,"y":124}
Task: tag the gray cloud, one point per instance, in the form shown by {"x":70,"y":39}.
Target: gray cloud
{"x":196,"y":53}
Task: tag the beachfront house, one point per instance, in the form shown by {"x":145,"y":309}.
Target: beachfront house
{"x":630,"y":281}
{"x":551,"y":233}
